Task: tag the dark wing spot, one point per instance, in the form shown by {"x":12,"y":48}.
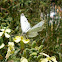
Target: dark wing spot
{"x":52,"y":61}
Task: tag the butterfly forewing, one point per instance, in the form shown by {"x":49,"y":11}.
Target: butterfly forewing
{"x":25,"y":26}
{"x":38,"y":27}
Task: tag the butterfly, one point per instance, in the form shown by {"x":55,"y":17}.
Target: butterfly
{"x":52,"y":14}
{"x":27,"y":29}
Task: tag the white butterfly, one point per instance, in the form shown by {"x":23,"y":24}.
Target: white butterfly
{"x":52,"y":14}
{"x":26,"y":28}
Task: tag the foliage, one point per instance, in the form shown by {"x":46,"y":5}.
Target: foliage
{"x":48,"y":41}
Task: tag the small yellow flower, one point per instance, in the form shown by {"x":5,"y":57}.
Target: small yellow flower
{"x":43,"y":60}
{"x":23,"y":60}
{"x":2,"y":45}
{"x":11,"y":44}
{"x":10,"y":49}
{"x":1,"y":33}
{"x":53,"y":59}
{"x":8,"y":30}
{"x":21,"y":38}
{"x":7,"y":35}
{"x":48,"y":59}
{"x":44,"y":54}
{"x":26,"y":40}
{"x":17,"y":39}
{"x":5,"y":32}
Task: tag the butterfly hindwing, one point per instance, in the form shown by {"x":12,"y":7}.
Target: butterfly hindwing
{"x":32,"y":34}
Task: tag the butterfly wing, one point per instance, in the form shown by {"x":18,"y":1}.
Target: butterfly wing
{"x":52,"y":14}
{"x":32,"y":34}
{"x":33,"y":31}
{"x":38,"y":27}
{"x":24,"y":23}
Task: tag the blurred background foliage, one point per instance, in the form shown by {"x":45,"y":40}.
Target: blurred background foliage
{"x":10,"y":11}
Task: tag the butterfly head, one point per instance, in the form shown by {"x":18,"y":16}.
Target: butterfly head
{"x":22,"y":14}
{"x":24,"y":34}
